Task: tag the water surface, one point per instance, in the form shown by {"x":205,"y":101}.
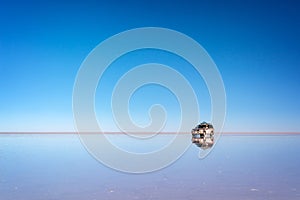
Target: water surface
{"x":57,"y":166}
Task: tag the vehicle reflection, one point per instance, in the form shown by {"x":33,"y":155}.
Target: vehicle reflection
{"x":203,"y":135}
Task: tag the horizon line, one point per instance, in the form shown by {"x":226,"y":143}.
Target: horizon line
{"x":167,"y":132}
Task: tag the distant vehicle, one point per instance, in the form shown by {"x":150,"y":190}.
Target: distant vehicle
{"x":203,"y":135}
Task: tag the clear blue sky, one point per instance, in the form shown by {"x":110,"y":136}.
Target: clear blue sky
{"x":255,"y":45}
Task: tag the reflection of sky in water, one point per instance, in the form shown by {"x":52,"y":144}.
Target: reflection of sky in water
{"x":140,"y":143}
{"x":240,"y":167}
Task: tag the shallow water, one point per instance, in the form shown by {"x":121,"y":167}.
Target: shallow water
{"x":57,"y":166}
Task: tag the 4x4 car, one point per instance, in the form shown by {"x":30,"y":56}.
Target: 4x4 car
{"x":203,"y":135}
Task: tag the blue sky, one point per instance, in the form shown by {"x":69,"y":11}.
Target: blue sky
{"x":255,"y":45}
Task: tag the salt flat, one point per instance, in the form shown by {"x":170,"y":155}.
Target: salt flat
{"x":57,"y":166}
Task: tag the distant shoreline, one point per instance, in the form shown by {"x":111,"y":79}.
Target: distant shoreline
{"x":225,"y":133}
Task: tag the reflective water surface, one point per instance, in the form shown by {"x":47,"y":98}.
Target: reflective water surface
{"x":56,"y":166}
